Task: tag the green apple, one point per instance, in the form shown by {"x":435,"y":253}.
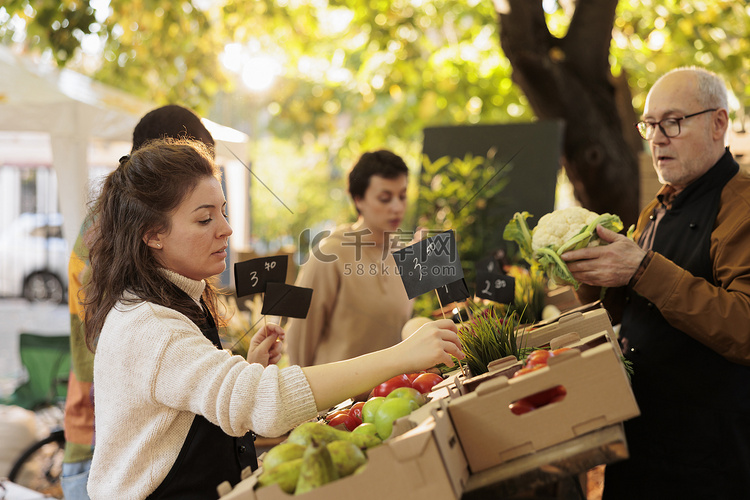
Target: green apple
{"x":409,"y":394}
{"x":370,"y":408}
{"x":390,"y":410}
{"x":366,"y":428}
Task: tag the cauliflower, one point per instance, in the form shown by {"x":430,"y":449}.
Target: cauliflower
{"x":555,"y":228}
{"x":556,"y":233}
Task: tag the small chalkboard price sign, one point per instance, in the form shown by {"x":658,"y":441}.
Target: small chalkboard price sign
{"x":252,"y":276}
{"x":488,"y":264}
{"x":495,"y":286}
{"x":457,"y":291}
{"x":286,"y":300}
{"x":429,"y":264}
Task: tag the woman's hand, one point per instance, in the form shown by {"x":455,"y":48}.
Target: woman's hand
{"x":266,"y":346}
{"x":432,"y":344}
{"x":413,"y":325}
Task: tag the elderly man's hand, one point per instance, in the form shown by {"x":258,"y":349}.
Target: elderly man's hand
{"x":610,"y":265}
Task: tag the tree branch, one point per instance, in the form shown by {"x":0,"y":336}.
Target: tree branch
{"x":587,"y":42}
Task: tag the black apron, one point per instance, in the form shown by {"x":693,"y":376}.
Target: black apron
{"x":208,"y":456}
{"x":692,"y":440}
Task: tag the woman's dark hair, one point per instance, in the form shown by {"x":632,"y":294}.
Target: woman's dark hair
{"x":136,"y":200}
{"x":383,"y":163}
{"x":171,"y":121}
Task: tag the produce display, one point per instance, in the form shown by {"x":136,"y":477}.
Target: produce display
{"x":577,"y":386}
{"x":316,"y":453}
{"x":537,"y":359}
{"x":313,"y":455}
{"x":422,"y":381}
{"x":572,"y":373}
{"x":557,"y":232}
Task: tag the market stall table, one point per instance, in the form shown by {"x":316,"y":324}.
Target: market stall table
{"x":557,"y":463}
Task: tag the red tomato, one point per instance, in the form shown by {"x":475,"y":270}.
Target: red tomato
{"x":356,"y":410}
{"x":558,"y":351}
{"x":559,"y":397}
{"x":545,"y":397}
{"x":527,"y":369}
{"x":386,"y":387}
{"x":348,"y":421}
{"x":538,"y":357}
{"x":337,"y":413}
{"x":521,"y":406}
{"x":353,"y":422}
{"x":426,"y":381}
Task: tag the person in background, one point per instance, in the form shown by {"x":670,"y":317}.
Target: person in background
{"x":166,"y":121}
{"x":359,"y":303}
{"x":687,"y":305}
{"x":170,"y":402}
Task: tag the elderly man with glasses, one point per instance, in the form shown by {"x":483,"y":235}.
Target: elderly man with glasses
{"x":685,"y":289}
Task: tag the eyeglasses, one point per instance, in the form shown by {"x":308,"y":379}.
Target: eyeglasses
{"x":670,"y":127}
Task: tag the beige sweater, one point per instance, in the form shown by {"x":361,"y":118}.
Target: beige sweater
{"x":359,"y":303}
{"x":154,"y":370}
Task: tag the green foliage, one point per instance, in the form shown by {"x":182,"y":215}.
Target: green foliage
{"x":149,"y":48}
{"x":357,"y":75}
{"x":651,"y":37}
{"x":490,"y":335}
{"x":463,"y":195}
{"x":530,"y":294}
{"x":312,"y":188}
{"x":53,"y":24}
{"x":392,"y":66}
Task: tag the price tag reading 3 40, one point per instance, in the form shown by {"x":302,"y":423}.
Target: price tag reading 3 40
{"x":252,"y":276}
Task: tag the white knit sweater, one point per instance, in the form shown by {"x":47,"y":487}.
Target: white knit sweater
{"x":153,"y":371}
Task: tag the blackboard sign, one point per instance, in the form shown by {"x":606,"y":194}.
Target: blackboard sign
{"x":286,"y":300}
{"x":489,"y":265}
{"x":453,"y":292}
{"x":495,"y":286}
{"x":429,"y":264}
{"x":532,"y":154}
{"x":253,"y":275}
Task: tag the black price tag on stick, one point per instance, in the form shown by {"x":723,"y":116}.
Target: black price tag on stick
{"x":453,"y":292}
{"x":286,"y":300}
{"x":429,"y":264}
{"x":489,"y":265}
{"x":253,"y":275}
{"x":495,"y":286}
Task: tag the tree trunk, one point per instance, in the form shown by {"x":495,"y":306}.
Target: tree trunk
{"x":570,"y":79}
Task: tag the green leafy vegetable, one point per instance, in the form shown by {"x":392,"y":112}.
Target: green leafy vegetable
{"x":556,"y":233}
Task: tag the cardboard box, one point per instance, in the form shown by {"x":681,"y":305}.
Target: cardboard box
{"x":506,"y":367}
{"x":556,"y":464}
{"x":585,"y":324}
{"x":598,"y":395}
{"x":426,"y":461}
{"x":563,"y":298}
{"x":585,"y":321}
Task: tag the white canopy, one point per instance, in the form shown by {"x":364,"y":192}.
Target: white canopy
{"x":78,"y":112}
